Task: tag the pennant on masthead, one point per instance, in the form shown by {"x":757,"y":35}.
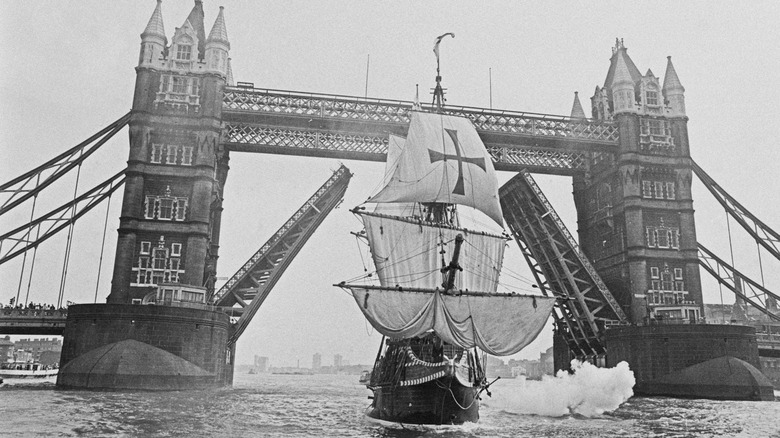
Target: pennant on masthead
{"x":437,"y":42}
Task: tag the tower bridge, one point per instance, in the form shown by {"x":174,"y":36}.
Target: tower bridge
{"x":636,"y":260}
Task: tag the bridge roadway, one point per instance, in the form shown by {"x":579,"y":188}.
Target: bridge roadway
{"x":356,"y":128}
{"x":32,"y":321}
{"x":768,"y":344}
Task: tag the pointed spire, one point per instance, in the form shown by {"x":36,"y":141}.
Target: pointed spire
{"x":671,"y":81}
{"x":196,"y":21}
{"x":622,"y":75}
{"x":219,"y":31}
{"x":230,"y":73}
{"x":576,"y":109}
{"x":155,"y":26}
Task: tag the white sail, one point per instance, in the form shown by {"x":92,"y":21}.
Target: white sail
{"x":445,"y":161}
{"x":498,"y":324}
{"x":408,"y":253}
{"x":395,"y":145}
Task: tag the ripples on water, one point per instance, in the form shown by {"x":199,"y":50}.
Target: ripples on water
{"x":332,"y":406}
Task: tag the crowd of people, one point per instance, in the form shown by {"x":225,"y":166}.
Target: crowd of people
{"x":30,"y":306}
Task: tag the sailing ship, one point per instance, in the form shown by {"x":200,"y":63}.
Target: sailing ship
{"x":437,"y":303}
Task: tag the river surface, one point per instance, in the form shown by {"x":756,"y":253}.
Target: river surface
{"x":265,"y":405}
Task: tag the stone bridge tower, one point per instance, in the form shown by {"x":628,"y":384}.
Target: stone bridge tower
{"x":635,"y":212}
{"x":169,"y":225}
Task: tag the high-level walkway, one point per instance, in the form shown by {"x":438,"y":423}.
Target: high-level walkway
{"x":356,"y":128}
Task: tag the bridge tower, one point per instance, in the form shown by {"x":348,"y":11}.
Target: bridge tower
{"x":171,"y":209}
{"x":635,"y":211}
{"x":168,"y":240}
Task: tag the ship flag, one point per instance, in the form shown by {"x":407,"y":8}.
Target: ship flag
{"x":438,"y":41}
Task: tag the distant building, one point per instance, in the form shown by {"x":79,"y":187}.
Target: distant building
{"x":49,"y":357}
{"x":546,"y":362}
{"x":261,"y":364}
{"x":6,"y":350}
{"x":337,"y":361}
{"x":38,"y":346}
{"x":316,"y":361}
{"x":23,"y":356}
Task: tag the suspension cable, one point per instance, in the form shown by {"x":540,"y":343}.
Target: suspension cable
{"x":69,"y":242}
{"x":760,"y":263}
{"x":731,"y":248}
{"x":24,"y":258}
{"x":102,"y":247}
{"x":720,"y":288}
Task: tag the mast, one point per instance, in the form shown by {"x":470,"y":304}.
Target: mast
{"x":436,"y":211}
{"x":453,"y":267}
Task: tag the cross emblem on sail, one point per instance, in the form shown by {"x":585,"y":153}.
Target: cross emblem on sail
{"x":438,"y":156}
{"x":443,"y":160}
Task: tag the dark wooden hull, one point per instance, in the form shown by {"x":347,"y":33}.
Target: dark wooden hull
{"x":438,"y":402}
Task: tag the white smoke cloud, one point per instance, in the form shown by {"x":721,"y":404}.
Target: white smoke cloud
{"x":589,"y":391}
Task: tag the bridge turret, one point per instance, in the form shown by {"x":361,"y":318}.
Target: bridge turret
{"x":576,"y":108}
{"x":218,"y":46}
{"x":673,"y":91}
{"x":622,"y":85}
{"x":153,"y":40}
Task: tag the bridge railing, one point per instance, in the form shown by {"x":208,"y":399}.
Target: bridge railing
{"x":33,"y":313}
{"x":250,"y":99}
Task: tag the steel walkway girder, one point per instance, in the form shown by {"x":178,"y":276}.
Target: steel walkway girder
{"x":327,"y":112}
{"x":372,"y":146}
{"x":256,"y":278}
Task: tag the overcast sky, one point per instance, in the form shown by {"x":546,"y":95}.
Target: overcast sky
{"x":67,"y":71}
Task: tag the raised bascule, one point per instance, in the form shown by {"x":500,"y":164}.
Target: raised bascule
{"x":629,"y":288}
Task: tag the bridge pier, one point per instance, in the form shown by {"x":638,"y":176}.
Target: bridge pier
{"x":126,"y":346}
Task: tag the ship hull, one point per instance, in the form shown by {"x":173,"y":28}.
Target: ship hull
{"x":438,"y":402}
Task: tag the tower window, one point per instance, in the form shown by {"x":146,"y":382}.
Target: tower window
{"x":156,"y":156}
{"x":146,"y":247}
{"x":172,"y":152}
{"x":179,"y":84}
{"x":662,"y":237}
{"x":670,"y":191}
{"x":652,"y":98}
{"x":183,"y":52}
{"x":647,"y":189}
{"x":163,"y":266}
{"x":186,"y":155}
{"x":165,"y":208}
{"x":656,"y":127}
{"x":659,"y":190}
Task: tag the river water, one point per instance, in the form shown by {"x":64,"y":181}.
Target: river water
{"x":266,"y":405}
